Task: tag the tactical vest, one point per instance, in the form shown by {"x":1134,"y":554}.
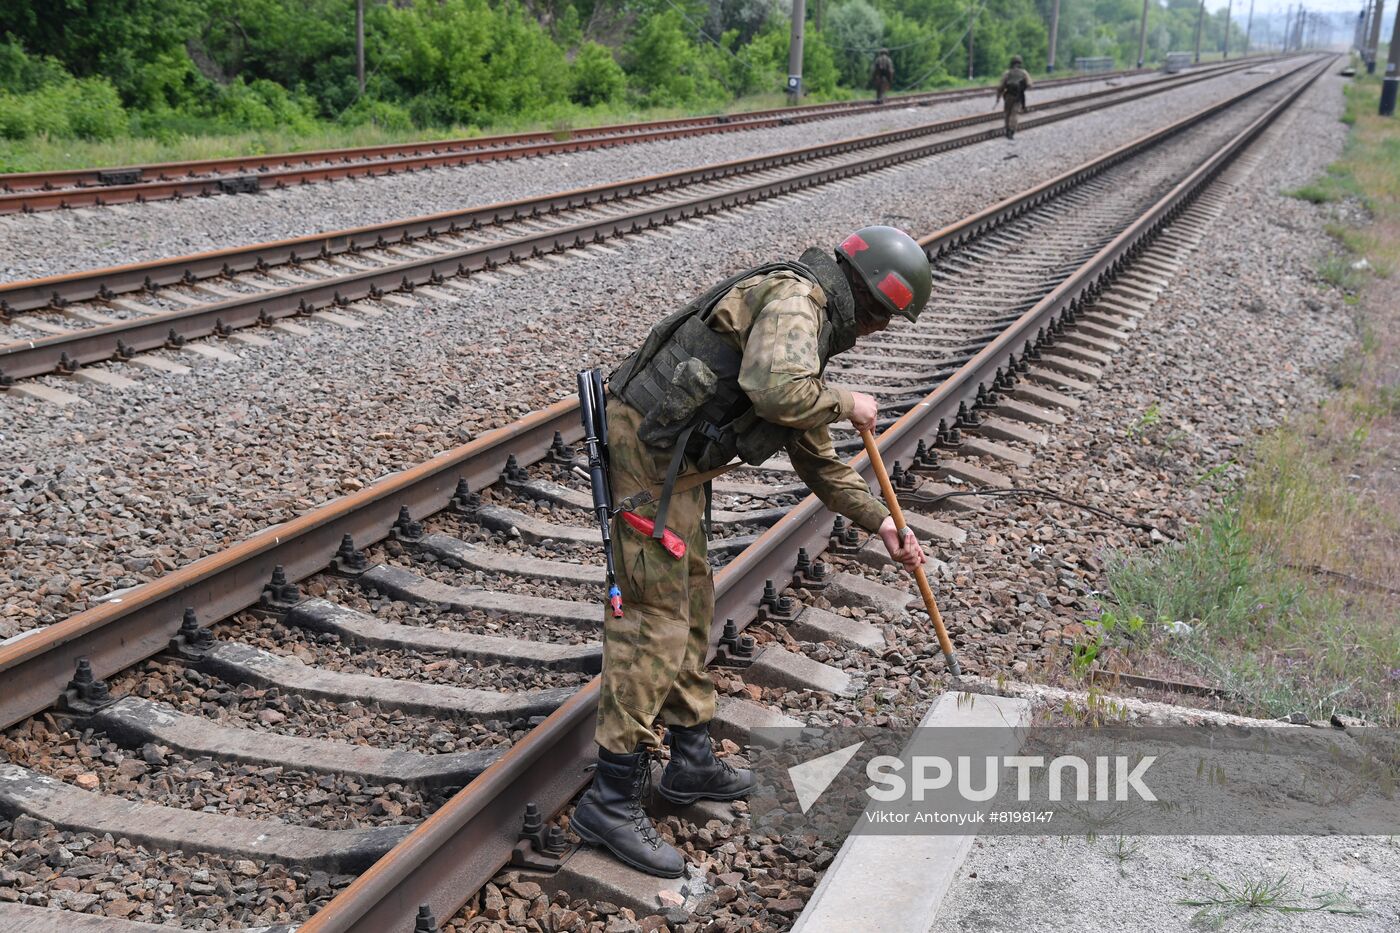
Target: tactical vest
{"x":684,"y":379}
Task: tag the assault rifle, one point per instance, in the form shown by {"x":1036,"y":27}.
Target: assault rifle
{"x":595,"y":438}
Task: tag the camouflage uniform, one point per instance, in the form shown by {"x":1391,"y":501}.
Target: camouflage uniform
{"x":654,"y":656}
{"x":1015,"y":82}
{"x":882,"y":75}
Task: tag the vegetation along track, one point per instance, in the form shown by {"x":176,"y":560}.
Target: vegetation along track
{"x":1025,"y":310}
{"x":38,"y":191}
{"x":60,"y":323}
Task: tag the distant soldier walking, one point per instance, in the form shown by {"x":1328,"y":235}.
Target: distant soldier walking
{"x":882,"y":75}
{"x":735,"y":373}
{"x":1015,"y":82}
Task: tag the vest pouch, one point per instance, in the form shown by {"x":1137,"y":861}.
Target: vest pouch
{"x":692,"y":384}
{"x":755,"y":440}
{"x":691,"y":378}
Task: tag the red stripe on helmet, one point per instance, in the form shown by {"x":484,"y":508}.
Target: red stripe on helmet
{"x":895,"y":289}
{"x":854,"y":244}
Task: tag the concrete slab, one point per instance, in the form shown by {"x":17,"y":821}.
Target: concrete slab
{"x":594,"y":874}
{"x":293,"y":328}
{"x":399,"y":301}
{"x":338,"y":319}
{"x":982,"y":447}
{"x":355,"y":627}
{"x":133,"y":307}
{"x":43,"y":393}
{"x":246,"y":664}
{"x":103,"y":377}
{"x":1058,"y":380}
{"x":736,"y":719}
{"x":776,"y":666}
{"x":1016,"y":410}
{"x":848,"y":589}
{"x":170,"y":828}
{"x":404,"y":584}
{"x":818,"y":625}
{"x":249,"y":340}
{"x":435,"y":294}
{"x":134,"y":721}
{"x":969,"y":473}
{"x":1041,"y":396}
{"x":458,"y":553}
{"x":210,"y":353}
{"x":894,"y":884}
{"x":932,"y":530}
{"x":1002,"y":429}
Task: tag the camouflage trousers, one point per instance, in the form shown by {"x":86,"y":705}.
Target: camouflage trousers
{"x":654,"y":656}
{"x":1013,"y":114}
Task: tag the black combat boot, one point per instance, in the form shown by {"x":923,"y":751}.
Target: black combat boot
{"x":695,"y":773}
{"x":610,"y":815}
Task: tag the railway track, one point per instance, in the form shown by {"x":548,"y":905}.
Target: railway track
{"x":483,"y":561}
{"x":39,"y":191}
{"x":61,"y":323}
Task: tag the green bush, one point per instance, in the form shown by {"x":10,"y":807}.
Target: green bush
{"x":596,"y":77}
{"x":86,"y":108}
{"x":666,"y":69}
{"x":262,"y":105}
{"x":368,"y":111}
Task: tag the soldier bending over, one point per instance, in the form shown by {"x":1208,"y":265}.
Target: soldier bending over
{"x":736,"y":372}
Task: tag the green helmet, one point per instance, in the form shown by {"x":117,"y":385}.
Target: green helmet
{"x":1016,"y":61}
{"x":893,"y":266}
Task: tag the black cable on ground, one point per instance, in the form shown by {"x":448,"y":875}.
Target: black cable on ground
{"x":1046,"y":494}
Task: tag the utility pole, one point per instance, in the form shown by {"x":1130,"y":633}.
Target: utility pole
{"x":1374,"y":43}
{"x":1142,"y":34}
{"x":1249,"y":27}
{"x":799,"y":21}
{"x":1200,"y":21}
{"x":971,"y":12}
{"x":1229,"y":10}
{"x":1358,"y":40}
{"x":1391,"y":85}
{"x":360,"y":43}
{"x":1054,"y":35}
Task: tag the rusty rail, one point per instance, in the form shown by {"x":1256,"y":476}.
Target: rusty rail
{"x":28,"y":358}
{"x":37,"y":191}
{"x":430,"y":865}
{"x":448,"y":857}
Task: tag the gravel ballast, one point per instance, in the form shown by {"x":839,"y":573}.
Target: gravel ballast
{"x":54,"y":242}
{"x":133,"y":482}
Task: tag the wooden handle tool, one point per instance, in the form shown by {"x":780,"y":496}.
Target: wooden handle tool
{"x":946,"y":643}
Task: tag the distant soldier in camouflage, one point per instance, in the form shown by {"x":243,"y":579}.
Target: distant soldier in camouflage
{"x":882,"y":75}
{"x":1015,"y":82}
{"x":737,"y":372}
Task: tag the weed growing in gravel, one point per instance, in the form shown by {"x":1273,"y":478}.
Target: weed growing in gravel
{"x":1290,"y":586}
{"x":1226,"y":900}
{"x":1123,"y":851}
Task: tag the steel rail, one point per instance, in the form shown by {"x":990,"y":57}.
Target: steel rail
{"x":450,"y":855}
{"x":45,"y":355}
{"x":32,"y":191}
{"x":280,"y":178}
{"x":443,"y":862}
{"x":106,"y":282}
{"x":207,"y":586}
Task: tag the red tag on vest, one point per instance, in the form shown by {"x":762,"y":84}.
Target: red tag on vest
{"x":669,"y":539}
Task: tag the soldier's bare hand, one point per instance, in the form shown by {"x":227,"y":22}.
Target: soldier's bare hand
{"x":864,"y":411}
{"x":908,"y":552}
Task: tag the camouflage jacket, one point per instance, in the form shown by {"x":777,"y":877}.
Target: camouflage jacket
{"x":1015,"y":82}
{"x":775,"y":320}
